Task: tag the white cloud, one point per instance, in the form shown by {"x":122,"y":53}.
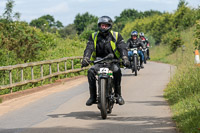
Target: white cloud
{"x":162,"y":1}
{"x":97,"y":0}
{"x":59,"y":8}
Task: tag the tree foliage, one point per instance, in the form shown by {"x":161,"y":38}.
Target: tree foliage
{"x":159,"y":26}
{"x":68,"y":31}
{"x":46,"y":23}
{"x":130,"y":15}
{"x":8,"y":14}
{"x":84,"y":21}
{"x":197,"y":35}
{"x":24,"y":41}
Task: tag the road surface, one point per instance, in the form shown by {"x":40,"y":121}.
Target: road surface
{"x":62,"y":109}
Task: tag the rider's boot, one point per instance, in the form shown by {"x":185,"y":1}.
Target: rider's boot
{"x":120,"y":100}
{"x":92,"y":98}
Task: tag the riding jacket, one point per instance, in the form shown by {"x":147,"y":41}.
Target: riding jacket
{"x":137,"y":43}
{"x":100,"y":45}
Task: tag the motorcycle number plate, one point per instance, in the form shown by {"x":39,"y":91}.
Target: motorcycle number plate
{"x":135,"y":51}
{"x":103,"y":70}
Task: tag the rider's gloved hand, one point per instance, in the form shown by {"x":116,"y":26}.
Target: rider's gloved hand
{"x":126,"y":62}
{"x":85,"y":61}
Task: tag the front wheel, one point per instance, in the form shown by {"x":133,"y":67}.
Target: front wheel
{"x":103,"y":99}
{"x":135,"y":64}
{"x":145,"y":58}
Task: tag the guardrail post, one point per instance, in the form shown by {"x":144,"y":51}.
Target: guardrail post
{"x":41,"y":71}
{"x":22,"y":77}
{"x":10,"y":78}
{"x":65,"y":68}
{"x":58,"y":67}
{"x":32,"y":73}
{"x":50,"y":72}
{"x":72,"y":64}
{"x":22,"y":74}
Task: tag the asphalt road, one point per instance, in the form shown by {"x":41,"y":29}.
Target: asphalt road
{"x":64,"y":111}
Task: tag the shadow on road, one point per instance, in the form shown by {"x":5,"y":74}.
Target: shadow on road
{"x":151,"y":103}
{"x":121,"y":125}
{"x":132,"y":74}
{"x":85,"y":115}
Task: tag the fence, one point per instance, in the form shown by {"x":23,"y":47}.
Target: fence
{"x":42,"y":77}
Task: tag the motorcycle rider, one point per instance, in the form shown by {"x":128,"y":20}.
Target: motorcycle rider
{"x":146,"y":43}
{"x":135,"y":42}
{"x":99,"y":45}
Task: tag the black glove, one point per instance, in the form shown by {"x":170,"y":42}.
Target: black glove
{"x":126,"y":62}
{"x":85,"y":62}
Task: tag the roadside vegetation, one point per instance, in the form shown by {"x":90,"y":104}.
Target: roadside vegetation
{"x":183,"y":91}
{"x":173,"y":37}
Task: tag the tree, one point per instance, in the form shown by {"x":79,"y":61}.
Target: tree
{"x":8,"y":13}
{"x":130,"y":15}
{"x":46,"y":23}
{"x":68,"y":31}
{"x":182,"y":3}
{"x":81,"y":22}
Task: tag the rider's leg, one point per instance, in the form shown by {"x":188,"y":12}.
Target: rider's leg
{"x":141,"y":58}
{"x":117,"y":83}
{"x":130,"y":54}
{"x":92,"y":86}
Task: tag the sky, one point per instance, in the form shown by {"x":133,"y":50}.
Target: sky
{"x":66,"y":10}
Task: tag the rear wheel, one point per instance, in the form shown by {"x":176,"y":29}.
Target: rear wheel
{"x":103,"y":99}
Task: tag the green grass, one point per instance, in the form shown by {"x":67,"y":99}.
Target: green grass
{"x":183,"y":91}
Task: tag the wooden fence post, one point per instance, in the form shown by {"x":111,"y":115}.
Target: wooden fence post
{"x":41,"y":71}
{"x":10,"y":78}
{"x":50,"y":72}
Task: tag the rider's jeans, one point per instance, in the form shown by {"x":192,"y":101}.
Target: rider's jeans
{"x":130,"y":54}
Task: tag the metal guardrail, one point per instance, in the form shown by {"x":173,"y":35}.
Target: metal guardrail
{"x":42,"y":77}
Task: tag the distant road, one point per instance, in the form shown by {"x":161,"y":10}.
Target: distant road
{"x":62,"y":109}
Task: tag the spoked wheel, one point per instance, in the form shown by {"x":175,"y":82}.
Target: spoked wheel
{"x":103,"y":99}
{"x":135,"y":64}
{"x":145,"y":55}
{"x":145,"y":58}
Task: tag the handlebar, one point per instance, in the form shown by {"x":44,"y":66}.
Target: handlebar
{"x":108,"y":58}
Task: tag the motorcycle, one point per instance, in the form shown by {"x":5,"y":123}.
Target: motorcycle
{"x":105,"y":97}
{"x":135,"y":61}
{"x":144,"y":50}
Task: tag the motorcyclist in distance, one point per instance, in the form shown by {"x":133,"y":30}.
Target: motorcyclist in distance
{"x":135,"y":42}
{"x":146,"y":43}
{"x":99,"y":45}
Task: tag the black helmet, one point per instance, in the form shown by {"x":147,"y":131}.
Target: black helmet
{"x":104,"y":20}
{"x":141,"y":34}
{"x":134,"y":33}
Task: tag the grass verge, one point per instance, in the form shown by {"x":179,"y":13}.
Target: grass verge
{"x":183,"y":90}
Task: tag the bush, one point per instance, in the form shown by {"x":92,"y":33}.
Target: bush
{"x":197,"y":35}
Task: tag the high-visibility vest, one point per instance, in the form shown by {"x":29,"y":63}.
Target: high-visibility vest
{"x":113,"y":45}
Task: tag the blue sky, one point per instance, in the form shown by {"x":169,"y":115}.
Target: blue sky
{"x":66,"y":10}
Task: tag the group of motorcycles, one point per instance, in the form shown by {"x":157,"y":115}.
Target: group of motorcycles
{"x":106,"y":97}
{"x":135,"y":62}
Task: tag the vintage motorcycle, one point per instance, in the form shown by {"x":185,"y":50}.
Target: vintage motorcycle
{"x":135,"y":67}
{"x":144,"y":50}
{"x":106,"y":97}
